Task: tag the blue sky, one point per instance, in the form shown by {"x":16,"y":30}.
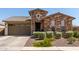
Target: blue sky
{"x":7,"y":12}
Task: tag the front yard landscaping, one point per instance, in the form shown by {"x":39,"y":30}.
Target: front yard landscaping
{"x":50,"y":38}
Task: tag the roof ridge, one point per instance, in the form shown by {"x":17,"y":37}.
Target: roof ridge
{"x":62,"y":14}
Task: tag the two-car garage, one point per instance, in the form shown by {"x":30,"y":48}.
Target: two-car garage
{"x":18,"y":25}
{"x":19,"y":29}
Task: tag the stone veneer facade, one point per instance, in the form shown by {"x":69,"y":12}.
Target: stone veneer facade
{"x":46,"y":20}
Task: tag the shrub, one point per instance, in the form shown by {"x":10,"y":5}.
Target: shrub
{"x":58,"y":35}
{"x":49,"y":34}
{"x":39,"y":35}
{"x":37,"y":44}
{"x":68,"y":34}
{"x":65,"y":35}
{"x":47,"y":42}
{"x":44,"y":43}
{"x":76,"y":34}
{"x":71,"y":40}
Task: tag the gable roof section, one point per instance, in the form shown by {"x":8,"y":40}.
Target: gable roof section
{"x":17,"y":18}
{"x":24,"y":18}
{"x":38,"y":9}
{"x":58,"y":13}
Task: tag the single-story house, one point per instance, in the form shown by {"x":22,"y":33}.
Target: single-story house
{"x":2,"y":28}
{"x":37,"y":21}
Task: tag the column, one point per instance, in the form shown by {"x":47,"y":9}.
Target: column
{"x":6,"y":29}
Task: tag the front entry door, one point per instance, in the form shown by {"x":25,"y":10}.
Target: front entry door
{"x":37,"y":26}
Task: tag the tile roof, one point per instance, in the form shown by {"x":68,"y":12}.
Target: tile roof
{"x":38,"y":9}
{"x":17,"y":18}
{"x":62,"y":14}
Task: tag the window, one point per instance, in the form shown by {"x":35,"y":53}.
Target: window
{"x":52,"y":23}
{"x":62,"y":23}
{"x":63,"y":26}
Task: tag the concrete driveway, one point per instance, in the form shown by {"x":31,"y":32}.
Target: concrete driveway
{"x":13,"y":41}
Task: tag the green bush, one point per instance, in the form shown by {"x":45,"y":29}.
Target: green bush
{"x":71,"y":40}
{"x":49,"y":34}
{"x":58,"y":35}
{"x":39,"y":35}
{"x":38,"y":43}
{"x":67,"y":34}
{"x":76,"y":34}
{"x":44,"y":43}
{"x":47,"y":42}
{"x":70,"y":33}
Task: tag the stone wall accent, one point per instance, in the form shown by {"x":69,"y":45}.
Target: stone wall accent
{"x":46,"y":20}
{"x":33,"y":14}
{"x":58,"y":18}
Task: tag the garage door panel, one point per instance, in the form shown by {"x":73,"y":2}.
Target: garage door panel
{"x":19,"y":29}
{"x":11,"y":30}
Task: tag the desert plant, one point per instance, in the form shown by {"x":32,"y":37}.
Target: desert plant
{"x":47,"y":42}
{"x":49,"y":34}
{"x":76,"y":34}
{"x":70,"y":33}
{"x":37,"y":43}
{"x":58,"y":35}
{"x":64,"y":35}
{"x":71,"y":40}
{"x":44,"y":43}
{"x":67,"y":34}
{"x":39,"y":35}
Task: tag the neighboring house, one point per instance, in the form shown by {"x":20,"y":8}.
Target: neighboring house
{"x":37,"y":21}
{"x":2,"y":28}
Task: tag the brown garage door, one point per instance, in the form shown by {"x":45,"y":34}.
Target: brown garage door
{"x":19,"y":29}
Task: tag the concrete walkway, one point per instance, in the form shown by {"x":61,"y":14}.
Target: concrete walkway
{"x":13,"y":41}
